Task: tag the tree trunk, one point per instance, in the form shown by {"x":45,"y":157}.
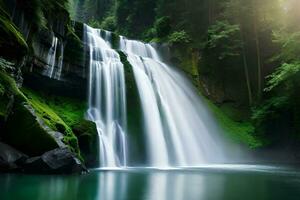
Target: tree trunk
{"x":257,"y":46}
{"x":211,"y":8}
{"x":245,"y":64}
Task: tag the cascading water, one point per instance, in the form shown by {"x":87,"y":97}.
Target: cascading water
{"x":177,"y":127}
{"x":60,"y":62}
{"x":52,"y":57}
{"x":107,"y":102}
{"x":55,"y":68}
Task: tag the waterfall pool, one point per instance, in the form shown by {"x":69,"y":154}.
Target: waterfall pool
{"x":214,"y":182}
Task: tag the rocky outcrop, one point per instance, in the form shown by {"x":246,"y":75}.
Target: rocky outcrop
{"x":26,"y":132}
{"x":29,"y":125}
{"x":57,"y":161}
{"x":10,"y":158}
{"x":72,"y":81}
{"x":23,"y":127}
{"x":86,"y":132}
{"x":75,"y":87}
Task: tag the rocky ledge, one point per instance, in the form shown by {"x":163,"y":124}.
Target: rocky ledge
{"x":57,"y":161}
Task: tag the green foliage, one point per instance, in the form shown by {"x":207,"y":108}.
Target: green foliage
{"x":109,"y":23}
{"x":94,"y":23}
{"x":96,"y":9}
{"x":269,"y":110}
{"x":224,"y":38}
{"x":290,"y":45}
{"x":135,"y":17}
{"x":179,"y":37}
{"x":287,"y":74}
{"x":238,"y":131}
{"x":163,"y":27}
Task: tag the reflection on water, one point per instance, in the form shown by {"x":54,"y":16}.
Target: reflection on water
{"x":152,"y":185}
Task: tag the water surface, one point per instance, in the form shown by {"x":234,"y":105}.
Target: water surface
{"x":208,"y":183}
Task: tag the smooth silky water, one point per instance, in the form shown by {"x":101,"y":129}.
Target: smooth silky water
{"x":232,"y":182}
{"x":177,"y":129}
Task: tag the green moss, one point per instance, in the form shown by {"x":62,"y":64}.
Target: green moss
{"x":22,"y":129}
{"x":25,"y":133}
{"x":85,"y":127}
{"x":86,"y":132}
{"x":11,"y":87}
{"x":70,"y":111}
{"x":238,"y":131}
{"x":8,"y":87}
{"x":58,"y":113}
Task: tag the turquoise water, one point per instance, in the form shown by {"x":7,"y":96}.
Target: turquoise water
{"x":207,"y":183}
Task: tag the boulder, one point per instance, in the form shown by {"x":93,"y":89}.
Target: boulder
{"x":27,"y":132}
{"x":10,"y":158}
{"x":57,"y":161}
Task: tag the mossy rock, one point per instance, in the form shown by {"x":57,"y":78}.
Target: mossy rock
{"x":86,"y":132}
{"x":134,"y":113}
{"x":32,"y":119}
{"x":48,"y":110}
{"x":24,"y":132}
{"x":8,"y":90}
{"x":22,"y":128}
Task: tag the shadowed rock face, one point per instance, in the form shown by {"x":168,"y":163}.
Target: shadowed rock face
{"x":68,"y":59}
{"x":10,"y":157}
{"x":57,"y":161}
{"x":60,"y":161}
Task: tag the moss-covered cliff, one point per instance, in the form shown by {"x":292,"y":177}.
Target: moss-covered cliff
{"x":43,"y":114}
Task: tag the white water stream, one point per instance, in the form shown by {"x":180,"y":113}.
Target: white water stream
{"x":178,"y":130}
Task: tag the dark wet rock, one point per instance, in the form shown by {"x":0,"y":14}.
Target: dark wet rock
{"x":74,"y":87}
{"x":57,"y":161}
{"x":10,"y":158}
{"x":86,"y":132}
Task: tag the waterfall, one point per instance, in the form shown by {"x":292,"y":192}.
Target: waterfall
{"x":52,"y":57}
{"x":177,"y":128}
{"x":60,"y":62}
{"x":106,"y":96}
{"x":55,"y":68}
